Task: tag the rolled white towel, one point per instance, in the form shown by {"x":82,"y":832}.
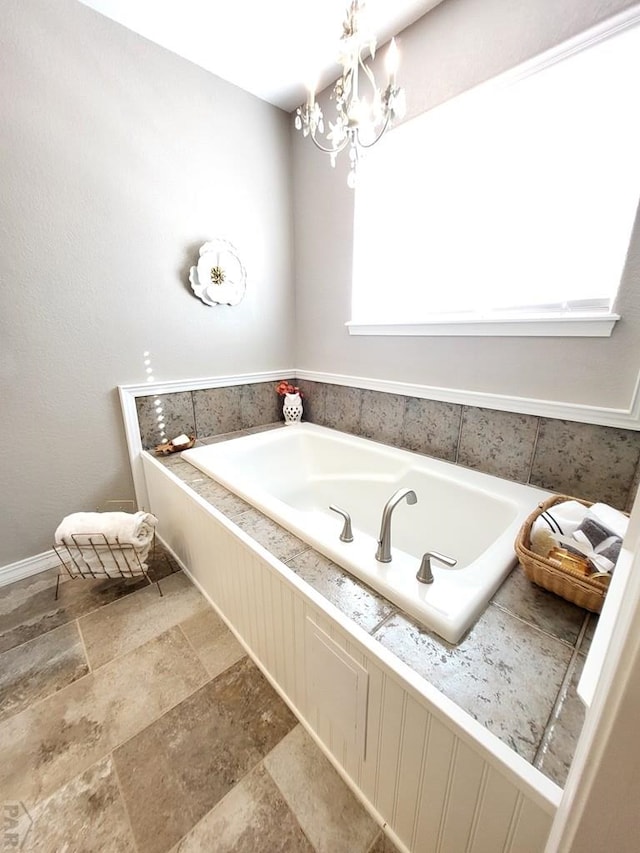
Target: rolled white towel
{"x":128,"y":528}
{"x":614,"y":520}
{"x":562,"y":518}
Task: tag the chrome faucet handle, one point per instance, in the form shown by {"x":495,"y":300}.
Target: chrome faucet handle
{"x":425,"y":575}
{"x":347,"y":534}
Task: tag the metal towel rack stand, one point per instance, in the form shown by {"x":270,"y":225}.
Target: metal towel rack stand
{"x":93,"y":555}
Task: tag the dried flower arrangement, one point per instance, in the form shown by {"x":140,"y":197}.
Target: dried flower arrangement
{"x":283,"y":387}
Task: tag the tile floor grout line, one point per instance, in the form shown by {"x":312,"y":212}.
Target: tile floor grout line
{"x":71,"y":619}
{"x":239,"y":781}
{"x":42,"y":699}
{"x":93,"y":672}
{"x":380,"y":834}
{"x":84,"y":645}
{"x":189,"y":643}
{"x":124,"y":801}
{"x":37,"y":800}
{"x":102,"y":607}
{"x":282,"y":793}
{"x":113,"y":747}
{"x":208,"y":680}
{"x":148,"y":584}
{"x":151,"y":639}
{"x":37,"y":637}
{"x":197,"y":654}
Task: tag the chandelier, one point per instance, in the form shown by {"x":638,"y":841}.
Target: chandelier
{"x":362,"y":117}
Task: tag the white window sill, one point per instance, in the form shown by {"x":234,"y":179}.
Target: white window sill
{"x":596,"y":325}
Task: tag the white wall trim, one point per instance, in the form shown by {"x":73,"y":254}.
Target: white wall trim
{"x":627,"y":418}
{"x":595,"y":34}
{"x":596,"y":326}
{"x":172,"y":386}
{"x":29,"y":566}
{"x":588,"y":38}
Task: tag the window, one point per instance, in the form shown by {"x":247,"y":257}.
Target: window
{"x":512,"y":204}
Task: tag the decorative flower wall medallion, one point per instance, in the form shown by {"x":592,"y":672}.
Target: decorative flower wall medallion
{"x":219,"y":277}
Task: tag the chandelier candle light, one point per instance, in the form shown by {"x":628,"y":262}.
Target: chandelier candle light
{"x":359,"y":123}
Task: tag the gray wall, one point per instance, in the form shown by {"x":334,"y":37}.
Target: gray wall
{"x":458,"y":44}
{"x":119,"y":160}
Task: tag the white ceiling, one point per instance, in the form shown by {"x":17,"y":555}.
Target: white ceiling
{"x":272,"y":48}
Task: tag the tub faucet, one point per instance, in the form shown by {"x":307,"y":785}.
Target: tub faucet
{"x":383,"y":554}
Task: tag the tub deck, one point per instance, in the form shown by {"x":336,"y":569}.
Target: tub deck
{"x":515,"y":671}
{"x":293,"y":475}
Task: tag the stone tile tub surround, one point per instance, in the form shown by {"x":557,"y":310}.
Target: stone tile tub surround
{"x":208,"y":412}
{"x":514,"y":672}
{"x":597,"y":463}
{"x":592,"y":462}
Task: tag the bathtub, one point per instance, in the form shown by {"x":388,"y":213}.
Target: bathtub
{"x":294,"y":474}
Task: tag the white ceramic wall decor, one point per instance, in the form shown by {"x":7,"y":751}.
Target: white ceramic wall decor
{"x":219,"y":278}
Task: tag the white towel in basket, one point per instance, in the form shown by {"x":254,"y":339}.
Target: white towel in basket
{"x":128,"y":529}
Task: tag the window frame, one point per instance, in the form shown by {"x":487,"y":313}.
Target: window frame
{"x":598,"y":322}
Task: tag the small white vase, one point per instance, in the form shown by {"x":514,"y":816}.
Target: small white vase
{"x":292,"y":408}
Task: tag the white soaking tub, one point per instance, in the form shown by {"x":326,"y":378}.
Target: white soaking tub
{"x":294,"y":474}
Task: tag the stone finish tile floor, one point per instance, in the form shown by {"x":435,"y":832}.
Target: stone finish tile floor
{"x":135,"y":722}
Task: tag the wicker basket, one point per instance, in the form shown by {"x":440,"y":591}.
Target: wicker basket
{"x":568,"y":584}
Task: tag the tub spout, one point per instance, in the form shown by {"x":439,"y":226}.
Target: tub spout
{"x":383,"y":554}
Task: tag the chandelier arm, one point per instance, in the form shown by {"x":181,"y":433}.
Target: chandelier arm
{"x":354,"y":115}
{"x":373,"y":142}
{"x":326,"y":150}
{"x":368,"y":72}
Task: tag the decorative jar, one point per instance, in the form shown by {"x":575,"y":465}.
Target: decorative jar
{"x":292,"y":408}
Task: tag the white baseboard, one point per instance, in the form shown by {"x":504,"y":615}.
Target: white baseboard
{"x":45,"y":561}
{"x":27,"y":567}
